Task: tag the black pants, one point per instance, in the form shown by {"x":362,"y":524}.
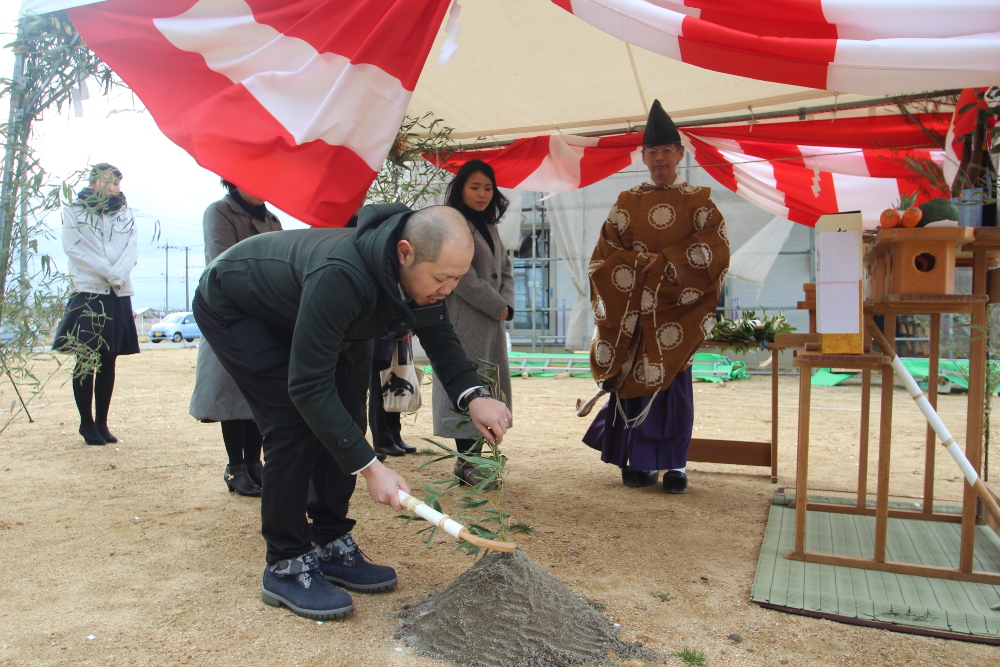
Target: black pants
{"x":386,"y":426}
{"x":301,"y":477}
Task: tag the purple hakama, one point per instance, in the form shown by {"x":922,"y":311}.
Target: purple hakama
{"x":660,"y":442}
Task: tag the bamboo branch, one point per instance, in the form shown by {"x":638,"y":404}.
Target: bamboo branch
{"x":450,"y":526}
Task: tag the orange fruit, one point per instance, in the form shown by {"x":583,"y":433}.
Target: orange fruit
{"x":911,"y":217}
{"x":890,"y":218}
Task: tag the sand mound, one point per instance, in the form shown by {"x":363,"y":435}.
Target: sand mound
{"x":506,"y":611}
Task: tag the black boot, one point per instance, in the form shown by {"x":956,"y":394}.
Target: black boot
{"x":388,"y":450}
{"x":91,"y":435}
{"x":256,"y":471}
{"x":106,"y":434}
{"x":469,"y":475}
{"x":238,"y":480}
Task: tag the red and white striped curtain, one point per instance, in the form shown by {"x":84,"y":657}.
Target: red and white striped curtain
{"x":295,"y":102}
{"x":802,"y":170}
{"x":873,"y":47}
{"x":799,"y":170}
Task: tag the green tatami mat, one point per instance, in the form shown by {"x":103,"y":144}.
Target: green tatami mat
{"x":900,"y":602}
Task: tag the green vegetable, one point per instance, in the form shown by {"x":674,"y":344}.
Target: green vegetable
{"x":937,"y":209}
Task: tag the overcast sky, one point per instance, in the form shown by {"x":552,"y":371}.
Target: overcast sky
{"x":161,"y":181}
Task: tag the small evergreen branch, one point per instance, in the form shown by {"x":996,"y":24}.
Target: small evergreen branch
{"x":750,"y":329}
{"x":483,"y":503}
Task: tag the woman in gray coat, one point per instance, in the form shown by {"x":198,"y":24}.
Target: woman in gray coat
{"x":216,"y":398}
{"x":482,"y":301}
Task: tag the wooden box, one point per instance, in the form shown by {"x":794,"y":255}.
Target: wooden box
{"x":916,"y":261}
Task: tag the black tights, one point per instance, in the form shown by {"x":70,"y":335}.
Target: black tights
{"x":464,"y":445}
{"x":243,"y":440}
{"x":90,"y":388}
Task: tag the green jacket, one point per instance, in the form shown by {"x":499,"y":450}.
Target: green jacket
{"x":320,"y":287}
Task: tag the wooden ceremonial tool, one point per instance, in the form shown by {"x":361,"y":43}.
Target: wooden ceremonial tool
{"x":947,"y":441}
{"x":450,"y":526}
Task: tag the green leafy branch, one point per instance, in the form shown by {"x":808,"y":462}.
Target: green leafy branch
{"x":407,"y":175}
{"x":750,"y":329}
{"x":482,"y":504}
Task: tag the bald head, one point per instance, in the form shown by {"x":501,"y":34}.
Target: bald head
{"x":434,"y":253}
{"x":430,"y":229}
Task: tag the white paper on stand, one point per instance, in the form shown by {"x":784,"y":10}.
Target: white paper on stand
{"x":838,"y":273}
{"x":838,"y":298}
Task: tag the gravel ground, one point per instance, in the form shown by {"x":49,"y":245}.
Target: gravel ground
{"x":135,"y":554}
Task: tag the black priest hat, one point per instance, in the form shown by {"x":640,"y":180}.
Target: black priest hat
{"x":660,"y":130}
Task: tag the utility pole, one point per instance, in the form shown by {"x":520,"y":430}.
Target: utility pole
{"x":166,"y":275}
{"x":166,"y":280}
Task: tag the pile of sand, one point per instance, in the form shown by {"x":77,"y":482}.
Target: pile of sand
{"x":506,"y":611}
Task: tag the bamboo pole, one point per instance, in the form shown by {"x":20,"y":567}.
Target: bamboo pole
{"x":450,"y":526}
{"x":947,"y":441}
{"x":17,"y":130}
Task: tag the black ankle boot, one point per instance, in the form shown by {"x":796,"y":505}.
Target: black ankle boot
{"x":106,"y":434}
{"x":238,"y":480}
{"x":256,"y":471}
{"x":91,"y":435}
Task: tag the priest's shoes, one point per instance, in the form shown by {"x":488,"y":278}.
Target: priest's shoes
{"x":674,"y":481}
{"x":639,"y":478}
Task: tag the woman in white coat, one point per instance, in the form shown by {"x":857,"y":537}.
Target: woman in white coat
{"x":99,"y":237}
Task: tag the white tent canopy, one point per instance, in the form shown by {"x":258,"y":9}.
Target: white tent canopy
{"x":526,"y":67}
{"x":522,"y":68}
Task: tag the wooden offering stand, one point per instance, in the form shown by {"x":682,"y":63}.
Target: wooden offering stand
{"x":908,"y":271}
{"x":744,"y":452}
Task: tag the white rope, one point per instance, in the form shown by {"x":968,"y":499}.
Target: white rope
{"x":641,"y":417}
{"x":636,"y":421}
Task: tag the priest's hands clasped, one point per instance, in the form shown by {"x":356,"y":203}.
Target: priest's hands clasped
{"x":654,"y":259}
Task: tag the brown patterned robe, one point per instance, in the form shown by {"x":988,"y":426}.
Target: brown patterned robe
{"x":669,"y":311}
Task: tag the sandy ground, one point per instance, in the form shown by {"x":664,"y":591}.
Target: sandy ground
{"x":135,"y":553}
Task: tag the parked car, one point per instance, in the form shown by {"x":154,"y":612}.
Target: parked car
{"x":176,"y":327}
